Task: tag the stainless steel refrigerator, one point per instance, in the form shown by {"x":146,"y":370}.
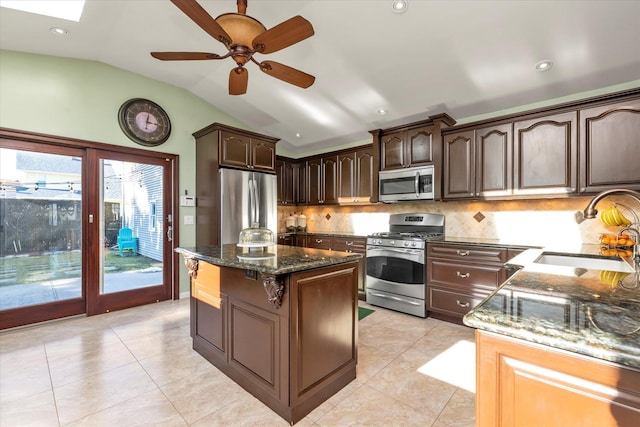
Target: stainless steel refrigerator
{"x":246,"y":197}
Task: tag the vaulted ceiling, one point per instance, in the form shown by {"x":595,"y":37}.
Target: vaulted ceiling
{"x":465,"y":58}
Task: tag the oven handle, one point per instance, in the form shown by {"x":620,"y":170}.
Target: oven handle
{"x":415,"y":255}
{"x":394,"y":298}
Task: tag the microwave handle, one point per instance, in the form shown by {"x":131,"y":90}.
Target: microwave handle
{"x":416,"y":184}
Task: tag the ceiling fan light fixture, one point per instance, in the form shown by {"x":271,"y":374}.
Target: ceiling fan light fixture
{"x":241,"y":28}
{"x":399,"y":6}
{"x":382,"y":111}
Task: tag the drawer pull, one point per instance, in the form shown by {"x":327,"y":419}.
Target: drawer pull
{"x":318,"y":240}
{"x":463,"y":275}
{"x":465,"y":305}
{"x":349,"y":243}
{"x":462,"y":253}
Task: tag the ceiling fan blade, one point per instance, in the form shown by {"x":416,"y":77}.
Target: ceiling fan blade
{"x":238,"y":80}
{"x":200,"y":16}
{"x":283,"y":35}
{"x":287,"y":74}
{"x":184,"y":56}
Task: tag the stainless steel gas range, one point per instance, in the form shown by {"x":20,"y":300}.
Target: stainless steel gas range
{"x":396,"y":262}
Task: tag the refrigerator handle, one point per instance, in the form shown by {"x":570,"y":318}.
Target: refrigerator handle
{"x":252,"y":200}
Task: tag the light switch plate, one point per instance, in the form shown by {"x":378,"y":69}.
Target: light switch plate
{"x":188,"y":220}
{"x":187,"y":201}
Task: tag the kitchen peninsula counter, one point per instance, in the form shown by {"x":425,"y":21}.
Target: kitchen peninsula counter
{"x":282,"y":324}
{"x":561,"y":339}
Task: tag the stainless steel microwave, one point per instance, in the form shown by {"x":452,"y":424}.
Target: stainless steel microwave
{"x":401,"y":185}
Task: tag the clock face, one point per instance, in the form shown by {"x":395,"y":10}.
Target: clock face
{"x":144,"y":122}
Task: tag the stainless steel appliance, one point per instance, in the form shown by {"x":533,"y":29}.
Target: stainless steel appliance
{"x":246,"y":198}
{"x":396,"y":262}
{"x":406,"y":184}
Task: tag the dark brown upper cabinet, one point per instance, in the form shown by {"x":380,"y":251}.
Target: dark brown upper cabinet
{"x":407,"y":148}
{"x":356,"y":176}
{"x":610,"y":144}
{"x":581,"y":147}
{"x":322,"y":180}
{"x":285,"y":173}
{"x":245,"y":151}
{"x":545,"y":152}
{"x":478,"y":162}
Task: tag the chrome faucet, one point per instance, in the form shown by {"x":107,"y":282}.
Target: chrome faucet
{"x":591,"y":212}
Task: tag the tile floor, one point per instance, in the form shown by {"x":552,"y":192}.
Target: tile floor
{"x":136,"y":367}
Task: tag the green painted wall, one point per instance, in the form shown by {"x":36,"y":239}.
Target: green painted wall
{"x":80,"y":99}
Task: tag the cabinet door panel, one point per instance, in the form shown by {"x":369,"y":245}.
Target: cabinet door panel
{"x":610,"y":146}
{"x":545,"y":152}
{"x":235,"y":150}
{"x":364,"y":175}
{"x":330,"y":179}
{"x":392,"y":148}
{"x":346,"y":176}
{"x":459,"y":170}
{"x":420,"y":146}
{"x":263,"y":156}
{"x":314,"y":181}
{"x":493,"y":159}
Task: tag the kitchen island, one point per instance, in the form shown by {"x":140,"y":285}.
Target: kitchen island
{"x":282,"y":323}
{"x":558,"y":346}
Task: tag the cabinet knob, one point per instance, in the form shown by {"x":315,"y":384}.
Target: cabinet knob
{"x":462,"y":253}
{"x":463,"y":275}
{"x":465,"y":305}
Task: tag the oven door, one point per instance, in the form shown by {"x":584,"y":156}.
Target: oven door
{"x":406,"y":184}
{"x":396,"y":270}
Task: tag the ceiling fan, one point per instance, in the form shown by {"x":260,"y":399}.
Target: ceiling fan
{"x":243,"y":36}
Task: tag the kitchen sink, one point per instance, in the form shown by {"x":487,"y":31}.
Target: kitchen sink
{"x":591,"y":262}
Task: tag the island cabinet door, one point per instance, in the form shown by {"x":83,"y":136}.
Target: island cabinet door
{"x":209,"y":313}
{"x":522,"y":384}
{"x":323,"y":332}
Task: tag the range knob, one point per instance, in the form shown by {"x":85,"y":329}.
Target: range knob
{"x":414,"y":244}
{"x":392,"y":242}
{"x":378,"y":242}
{"x":407,"y":244}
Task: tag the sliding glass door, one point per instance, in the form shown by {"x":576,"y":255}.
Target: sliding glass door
{"x":82,"y":230}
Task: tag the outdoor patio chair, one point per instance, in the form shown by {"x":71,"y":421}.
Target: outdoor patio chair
{"x":126,"y":241}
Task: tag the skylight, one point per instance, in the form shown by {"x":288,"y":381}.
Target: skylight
{"x":71,"y":10}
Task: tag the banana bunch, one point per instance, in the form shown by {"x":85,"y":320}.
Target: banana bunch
{"x":612,"y":216}
{"x":612,"y":278}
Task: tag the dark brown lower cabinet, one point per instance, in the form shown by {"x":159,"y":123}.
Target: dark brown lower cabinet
{"x":292,"y":357}
{"x":525,"y":384}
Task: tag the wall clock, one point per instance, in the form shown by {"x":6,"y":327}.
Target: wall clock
{"x":144,"y":122}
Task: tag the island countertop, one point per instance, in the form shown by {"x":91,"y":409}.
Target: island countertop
{"x":572,"y":309}
{"x":276,"y":259}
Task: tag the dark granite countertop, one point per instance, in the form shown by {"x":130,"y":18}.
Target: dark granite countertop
{"x":568,"y":308}
{"x":277,"y":259}
{"x":334,"y":234}
{"x":480,"y":241}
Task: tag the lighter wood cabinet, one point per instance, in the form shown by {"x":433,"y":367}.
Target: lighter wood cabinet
{"x":526,"y":384}
{"x":610,"y":144}
{"x":545,"y":151}
{"x":407,"y":148}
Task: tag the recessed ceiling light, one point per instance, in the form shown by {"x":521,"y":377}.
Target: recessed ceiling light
{"x":399,"y":6}
{"x":59,"y":31}
{"x":298,"y":135}
{"x":544,"y":65}
{"x":382,"y":111}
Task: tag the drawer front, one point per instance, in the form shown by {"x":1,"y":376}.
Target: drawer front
{"x":465,"y":274}
{"x":468,"y":253}
{"x":319,"y":242}
{"x":346,"y":244}
{"x":451,"y":302}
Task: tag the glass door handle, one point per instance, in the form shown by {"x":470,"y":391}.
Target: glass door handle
{"x":170,"y":233}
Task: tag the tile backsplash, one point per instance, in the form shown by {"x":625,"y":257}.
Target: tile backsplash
{"x":542,"y":222}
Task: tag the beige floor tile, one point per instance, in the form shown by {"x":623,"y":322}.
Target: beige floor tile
{"x":87,"y":341}
{"x":89,"y":395}
{"x":23,"y":373}
{"x":36,"y":410}
{"x":160,"y":342}
{"x":460,"y":411}
{"x":174,"y":365}
{"x":102,"y":358}
{"x":202,"y":393}
{"x":245,"y":412}
{"x":369,"y":407}
{"x":149,"y":409}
